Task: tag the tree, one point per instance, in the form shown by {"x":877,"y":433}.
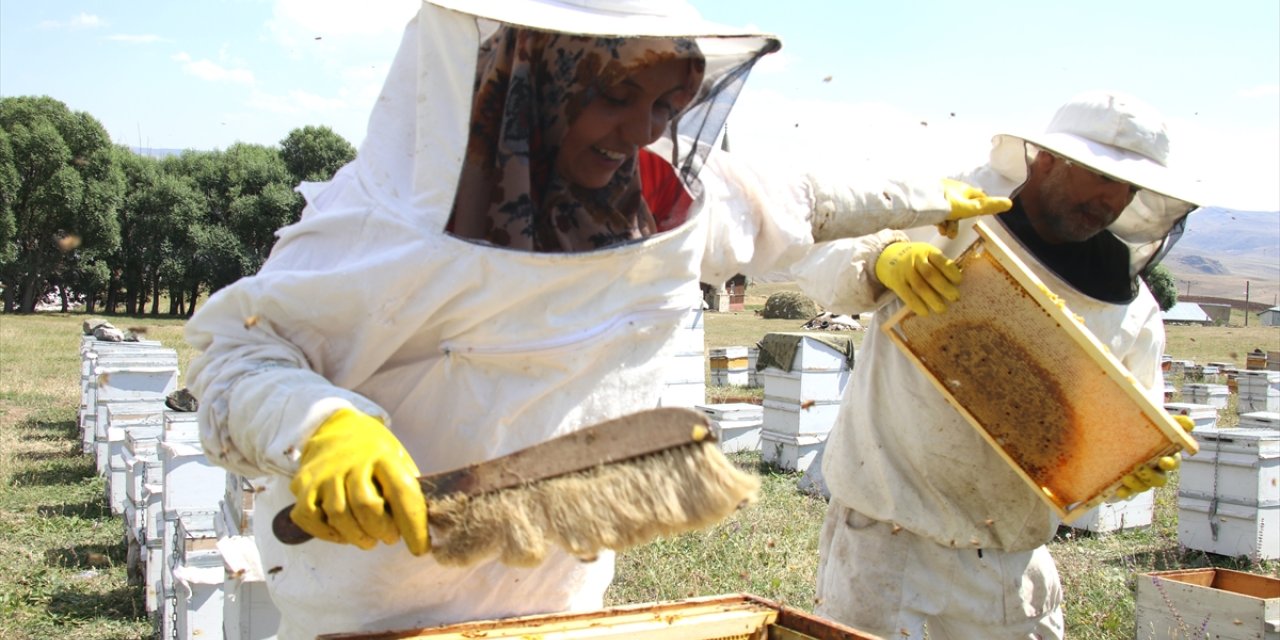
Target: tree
{"x":314,"y":154}
{"x":8,"y":194}
{"x":248,"y":195}
{"x":155,"y":222}
{"x":1163,"y":286}
{"x":65,"y":199}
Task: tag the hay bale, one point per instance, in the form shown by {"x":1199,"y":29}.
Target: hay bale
{"x":789,"y":305}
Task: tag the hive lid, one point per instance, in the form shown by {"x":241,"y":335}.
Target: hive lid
{"x":1036,"y":384}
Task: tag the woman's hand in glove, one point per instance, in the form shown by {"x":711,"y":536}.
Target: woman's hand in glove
{"x":920,"y":274}
{"x":357,"y":485}
{"x":968,"y":201}
{"x":1156,"y":475}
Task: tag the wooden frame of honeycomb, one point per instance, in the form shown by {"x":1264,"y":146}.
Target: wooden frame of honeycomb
{"x":722,"y":617}
{"x":1035,"y":383}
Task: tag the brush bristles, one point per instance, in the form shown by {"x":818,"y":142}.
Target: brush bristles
{"x":614,"y":506}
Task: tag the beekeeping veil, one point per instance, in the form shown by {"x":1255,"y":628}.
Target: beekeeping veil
{"x":1120,"y":137}
{"x":414,"y":151}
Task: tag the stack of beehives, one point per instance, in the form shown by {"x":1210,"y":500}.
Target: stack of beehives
{"x":186,"y":522}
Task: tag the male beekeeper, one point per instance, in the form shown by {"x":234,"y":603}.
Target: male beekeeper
{"x":927,"y":524}
{"x":507,"y":260}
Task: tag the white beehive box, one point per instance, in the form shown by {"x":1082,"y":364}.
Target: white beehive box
{"x":686,"y":376}
{"x":91,"y":353}
{"x":1215,"y":395}
{"x":799,"y":387}
{"x":120,"y":416}
{"x":729,"y":366}
{"x":144,"y":380}
{"x":153,"y":547}
{"x":1259,"y":420}
{"x":198,"y":576}
{"x":190,"y":480}
{"x":1203,"y":416}
{"x":1255,"y":403}
{"x":737,"y":425}
{"x":1229,"y":494}
{"x":140,"y":460}
{"x":1258,"y":380}
{"x":184,"y":531}
{"x":790,"y":452}
{"x":248,"y":612}
{"x":237,"y":505}
{"x":1207,"y":603}
{"x":814,"y":418}
{"x":1258,"y":391}
{"x":1136,"y":512}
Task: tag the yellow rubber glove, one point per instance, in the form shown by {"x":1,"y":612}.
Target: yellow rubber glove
{"x":357,"y":485}
{"x":968,"y":201}
{"x":1156,"y":475}
{"x":920,"y":274}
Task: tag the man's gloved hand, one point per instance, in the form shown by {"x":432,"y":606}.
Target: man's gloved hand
{"x":1156,"y":475}
{"x":920,"y":274}
{"x":357,"y":485}
{"x":968,"y":201}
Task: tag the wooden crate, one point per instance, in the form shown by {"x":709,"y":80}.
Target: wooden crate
{"x":1035,"y":383}
{"x":726,"y":617}
{"x":1207,"y":603}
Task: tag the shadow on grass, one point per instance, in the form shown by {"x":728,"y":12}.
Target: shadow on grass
{"x":72,"y":453}
{"x":84,"y":605}
{"x":87,"y":556}
{"x":71,"y":470}
{"x":50,"y":429}
{"x":92,"y":510}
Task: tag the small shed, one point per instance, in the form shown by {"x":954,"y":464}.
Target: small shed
{"x":1186,"y":313}
{"x":1270,"y":317}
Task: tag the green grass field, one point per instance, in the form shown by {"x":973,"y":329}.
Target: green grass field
{"x":62,"y":553}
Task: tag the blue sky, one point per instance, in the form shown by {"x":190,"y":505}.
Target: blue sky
{"x":855,"y":79}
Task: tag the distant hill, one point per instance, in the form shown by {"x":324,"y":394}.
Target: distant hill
{"x":157,"y":153}
{"x":1222,"y":249}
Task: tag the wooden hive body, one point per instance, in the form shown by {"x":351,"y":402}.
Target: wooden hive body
{"x":722,"y":617}
{"x":1035,"y":383}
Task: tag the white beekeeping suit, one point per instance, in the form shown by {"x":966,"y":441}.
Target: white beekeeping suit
{"x":468,"y":351}
{"x":938,"y":525}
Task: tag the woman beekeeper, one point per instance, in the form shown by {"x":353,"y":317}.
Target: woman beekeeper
{"x":506,"y":260}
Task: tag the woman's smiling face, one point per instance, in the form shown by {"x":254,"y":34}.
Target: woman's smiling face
{"x":620,"y":120}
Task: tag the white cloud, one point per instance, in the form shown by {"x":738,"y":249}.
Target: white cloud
{"x":81,"y":20}
{"x":212,"y":71}
{"x":1259,"y":91}
{"x":147,"y":38}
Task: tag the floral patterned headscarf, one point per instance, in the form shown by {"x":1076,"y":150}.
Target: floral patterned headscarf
{"x":530,"y":87}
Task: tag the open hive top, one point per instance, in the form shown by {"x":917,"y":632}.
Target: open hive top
{"x":721,"y":617}
{"x":1035,"y":383}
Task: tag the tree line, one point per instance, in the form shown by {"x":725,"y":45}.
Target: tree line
{"x":86,"y":221}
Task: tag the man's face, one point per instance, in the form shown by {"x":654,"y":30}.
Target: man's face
{"x":1077,"y":203}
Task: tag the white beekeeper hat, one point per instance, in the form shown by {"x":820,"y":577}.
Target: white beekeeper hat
{"x":656,"y":18}
{"x":1121,"y":137}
